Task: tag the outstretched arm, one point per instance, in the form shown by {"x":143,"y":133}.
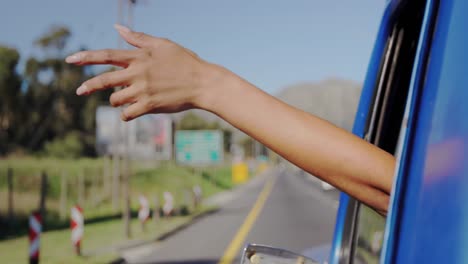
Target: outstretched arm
{"x":161,"y":77}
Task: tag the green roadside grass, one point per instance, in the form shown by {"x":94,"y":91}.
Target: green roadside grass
{"x":150,"y":180}
{"x":103,"y":228}
{"x":99,"y":241}
{"x":144,"y":176}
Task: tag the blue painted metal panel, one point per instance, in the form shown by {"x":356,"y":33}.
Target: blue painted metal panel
{"x":434,"y":215}
{"x":361,"y":117}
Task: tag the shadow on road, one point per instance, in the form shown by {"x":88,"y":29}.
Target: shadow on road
{"x":234,"y":211}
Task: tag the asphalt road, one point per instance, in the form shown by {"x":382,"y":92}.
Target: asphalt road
{"x":297,"y":215}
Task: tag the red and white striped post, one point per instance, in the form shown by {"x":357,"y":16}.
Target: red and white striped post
{"x":144,"y":211}
{"x":77,"y":228}
{"x":35,"y":229}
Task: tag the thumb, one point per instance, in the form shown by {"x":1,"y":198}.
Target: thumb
{"x":137,"y":39}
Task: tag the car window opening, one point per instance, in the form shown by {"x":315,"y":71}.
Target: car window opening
{"x":385,"y":119}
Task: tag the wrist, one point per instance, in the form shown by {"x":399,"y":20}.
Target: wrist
{"x":214,"y":85}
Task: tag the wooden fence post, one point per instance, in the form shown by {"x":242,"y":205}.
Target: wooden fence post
{"x":81,"y":188}
{"x":96,"y":192}
{"x":156,"y":209}
{"x":126,"y":214}
{"x":42,"y":200}
{"x":188,"y":200}
{"x":63,"y":195}
{"x":10,"y":195}
{"x":115,"y":183}
{"x":107,"y":177}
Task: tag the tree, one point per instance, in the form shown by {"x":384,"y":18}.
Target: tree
{"x":46,"y":105}
{"x":55,"y":40}
{"x":191,"y":121}
{"x":69,"y":146}
{"x":10,"y":96}
{"x":247,"y":144}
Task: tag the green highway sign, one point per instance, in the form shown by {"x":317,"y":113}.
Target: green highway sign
{"x":199,"y":147}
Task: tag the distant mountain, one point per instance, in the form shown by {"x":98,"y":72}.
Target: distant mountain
{"x":333,"y":99}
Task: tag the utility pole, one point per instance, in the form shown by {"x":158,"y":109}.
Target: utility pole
{"x":126,"y":172}
{"x":10,"y":196}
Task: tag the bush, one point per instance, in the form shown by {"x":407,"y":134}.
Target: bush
{"x":184,"y":210}
{"x":70,"y":146}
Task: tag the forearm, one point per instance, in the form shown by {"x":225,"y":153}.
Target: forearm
{"x":326,"y":151}
{"x":163,"y":77}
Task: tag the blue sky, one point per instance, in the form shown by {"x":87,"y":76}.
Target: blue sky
{"x":270,"y":43}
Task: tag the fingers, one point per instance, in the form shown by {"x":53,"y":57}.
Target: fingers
{"x":133,"y":111}
{"x":137,"y":39}
{"x":104,"y":81}
{"x":127,"y":95}
{"x":120,"y":58}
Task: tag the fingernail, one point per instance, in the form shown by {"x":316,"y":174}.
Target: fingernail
{"x":73,"y":58}
{"x":81,"y":90}
{"x":122,"y":28}
{"x":123,"y":116}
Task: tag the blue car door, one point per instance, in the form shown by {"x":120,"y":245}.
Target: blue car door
{"x":429,"y":215}
{"x":388,"y":93}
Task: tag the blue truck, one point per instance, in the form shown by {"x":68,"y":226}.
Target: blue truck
{"x":414,"y":104}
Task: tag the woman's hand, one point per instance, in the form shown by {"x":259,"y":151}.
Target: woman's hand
{"x":159,"y":76}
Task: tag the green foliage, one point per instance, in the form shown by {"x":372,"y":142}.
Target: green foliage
{"x":10,"y":97}
{"x":45,"y":108}
{"x":151,"y":181}
{"x":70,"y":146}
{"x":191,"y":121}
{"x":227,"y":134}
{"x":184,"y":210}
{"x":55,"y":39}
{"x":8,"y":60}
